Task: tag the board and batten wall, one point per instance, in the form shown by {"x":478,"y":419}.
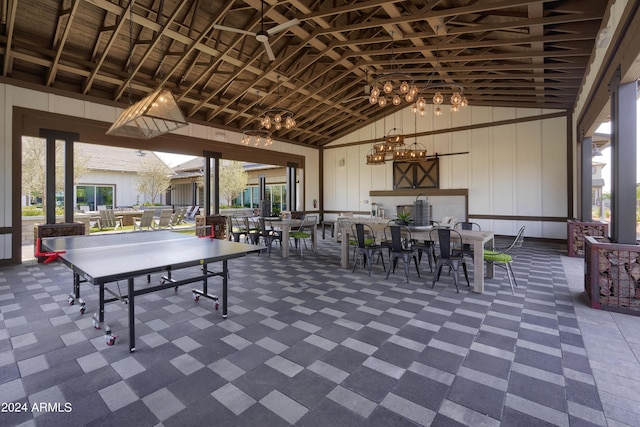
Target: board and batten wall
{"x":203,"y":137}
{"x":515,"y":166}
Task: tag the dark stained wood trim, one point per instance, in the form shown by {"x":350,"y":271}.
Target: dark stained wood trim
{"x":6,"y":230}
{"x":16,"y":189}
{"x":93,"y":132}
{"x":571,"y":149}
{"x":420,"y":192}
{"x":564,"y":113}
{"x":520,"y":218}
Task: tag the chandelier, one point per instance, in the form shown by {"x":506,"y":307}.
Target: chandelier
{"x":154,"y":115}
{"x":394,"y":149}
{"x":392,"y":88}
{"x":457,"y":98}
{"x":277,"y":118}
{"x":256,"y":136}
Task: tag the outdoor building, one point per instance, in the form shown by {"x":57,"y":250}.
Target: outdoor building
{"x":187,"y":185}
{"x":112,"y":176}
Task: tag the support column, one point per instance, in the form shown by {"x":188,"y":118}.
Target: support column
{"x":262,"y":187}
{"x":292,"y":190}
{"x":623,"y":161}
{"x":586,"y":179}
{"x":50,"y":173}
{"x":69,"y":193}
{"x":210,"y":188}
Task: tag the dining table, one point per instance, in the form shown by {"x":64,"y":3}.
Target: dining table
{"x":285,"y":226}
{"x":478,"y":239}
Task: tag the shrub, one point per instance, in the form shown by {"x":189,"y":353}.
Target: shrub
{"x":32,"y":211}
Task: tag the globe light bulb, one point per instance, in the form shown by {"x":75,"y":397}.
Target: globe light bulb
{"x":396,"y":99}
{"x":382,"y":101}
{"x":388,"y":87}
{"x":404,"y":87}
{"x":456,"y":98}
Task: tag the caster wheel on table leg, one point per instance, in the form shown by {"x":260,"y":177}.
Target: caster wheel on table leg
{"x":196,"y":298}
{"x":96,"y":323}
{"x":71,"y":299}
{"x":82,"y":310}
{"x":216,"y":305}
{"x":82,"y":305}
{"x":175,"y":289}
{"x":109,"y":339}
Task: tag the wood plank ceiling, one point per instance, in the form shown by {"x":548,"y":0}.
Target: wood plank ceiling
{"x":511,"y":53}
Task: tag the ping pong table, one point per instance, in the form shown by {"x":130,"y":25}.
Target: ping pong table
{"x":110,"y":258}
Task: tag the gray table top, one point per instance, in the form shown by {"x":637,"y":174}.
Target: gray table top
{"x":107,"y":258}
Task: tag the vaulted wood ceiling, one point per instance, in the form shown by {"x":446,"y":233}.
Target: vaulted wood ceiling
{"x":512,"y":53}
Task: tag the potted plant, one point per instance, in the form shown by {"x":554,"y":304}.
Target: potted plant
{"x":403,"y":218}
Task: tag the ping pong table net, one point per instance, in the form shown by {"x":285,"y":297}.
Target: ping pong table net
{"x":50,"y":256}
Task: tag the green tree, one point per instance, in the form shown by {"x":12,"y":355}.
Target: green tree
{"x":153,"y":179}
{"x":34,"y":166}
{"x":233,"y":180}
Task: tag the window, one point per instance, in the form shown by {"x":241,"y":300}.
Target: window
{"x":276,"y":193}
{"x":94,"y":196}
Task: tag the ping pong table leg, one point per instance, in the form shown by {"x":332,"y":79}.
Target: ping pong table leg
{"x":224,"y":288}
{"x":76,"y":285}
{"x":101,"y":304}
{"x":132,"y":322}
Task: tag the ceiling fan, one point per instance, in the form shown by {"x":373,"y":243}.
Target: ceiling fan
{"x":262,"y":36}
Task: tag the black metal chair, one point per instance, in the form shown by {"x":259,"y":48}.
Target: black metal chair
{"x":366,"y":246}
{"x":238,"y":228}
{"x":467,"y":249}
{"x":398,"y":238}
{"x":445,"y":238}
{"x":267,"y":234}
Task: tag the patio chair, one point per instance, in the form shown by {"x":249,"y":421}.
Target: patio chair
{"x":109,"y":220}
{"x":398,"y":238}
{"x":191,"y":213}
{"x":503,"y":258}
{"x":238,"y":228}
{"x":304,"y":232}
{"x":447,"y":256}
{"x":178,"y":217}
{"x":267,"y":234}
{"x":367,"y":246}
{"x":467,"y":248}
{"x":164,"y":221}
{"x":145,"y":221}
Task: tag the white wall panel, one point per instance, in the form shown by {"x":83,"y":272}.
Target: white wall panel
{"x":5,"y":246}
{"x":480,"y":166}
{"x":554,"y":167}
{"x":20,"y":97}
{"x":352,"y":179}
{"x":66,"y":106}
{"x":100,"y":112}
{"x":528,"y":191}
{"x":503,"y":169}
